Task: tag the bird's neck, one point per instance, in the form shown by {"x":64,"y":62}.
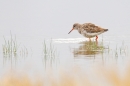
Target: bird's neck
{"x":79,"y":26}
{"x":79,"y":29}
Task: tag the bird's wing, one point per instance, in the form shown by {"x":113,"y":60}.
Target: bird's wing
{"x":92,"y":28}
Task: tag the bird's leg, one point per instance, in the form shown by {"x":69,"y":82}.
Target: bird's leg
{"x":96,"y":43}
{"x":96,"y":38}
{"x":90,"y":39}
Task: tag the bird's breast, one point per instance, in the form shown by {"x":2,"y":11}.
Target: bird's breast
{"x":79,"y":31}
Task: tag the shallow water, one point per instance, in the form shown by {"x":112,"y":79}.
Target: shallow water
{"x":68,"y":52}
{"x":63,"y":58}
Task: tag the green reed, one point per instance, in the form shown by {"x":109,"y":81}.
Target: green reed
{"x":23,"y":51}
{"x":122,"y":50}
{"x":10,"y":45}
{"x":49,"y":51}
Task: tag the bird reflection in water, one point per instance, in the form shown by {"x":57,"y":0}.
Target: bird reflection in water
{"x":87,"y":48}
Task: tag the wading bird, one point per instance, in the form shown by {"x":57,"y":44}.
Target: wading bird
{"x":88,"y":30}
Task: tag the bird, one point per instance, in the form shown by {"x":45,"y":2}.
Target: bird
{"x":88,"y":30}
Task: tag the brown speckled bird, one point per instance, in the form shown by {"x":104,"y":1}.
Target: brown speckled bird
{"x":88,"y":30}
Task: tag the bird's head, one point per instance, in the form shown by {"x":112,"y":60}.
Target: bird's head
{"x":75,"y":27}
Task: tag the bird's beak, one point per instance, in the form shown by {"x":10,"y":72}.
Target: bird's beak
{"x":71,"y":30}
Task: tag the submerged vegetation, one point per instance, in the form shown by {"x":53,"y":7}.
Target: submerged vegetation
{"x":94,"y":48}
{"x":89,"y":48}
{"x":49,"y":53}
{"x":12,"y":49}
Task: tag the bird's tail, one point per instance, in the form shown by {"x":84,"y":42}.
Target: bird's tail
{"x":105,"y":30}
